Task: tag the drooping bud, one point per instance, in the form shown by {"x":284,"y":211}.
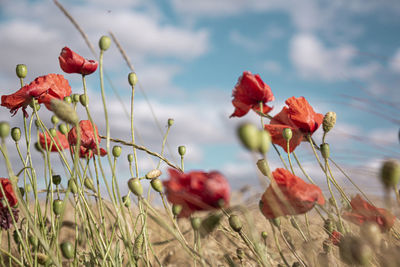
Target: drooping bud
{"x":135,"y":186}
{"x":21,"y":71}
{"x":72,"y":186}
{"x":64,"y":111}
{"x":67,"y":250}
{"x":325,"y":150}
{"x":127,"y":201}
{"x":249,"y":135}
{"x":63,"y":128}
{"x":390,"y":172}
{"x":132,"y":78}
{"x":329,"y":121}
{"x":176,"y":209}
{"x":196,"y":223}
{"x":153,"y":174}
{"x":276,"y":222}
{"x":262,"y":165}
{"x":54,"y":119}
{"x":265,"y":141}
{"x":235,"y":223}
{"x":4,"y":129}
{"x":287,"y":134}
{"x":182,"y":150}
{"x":84,"y":100}
{"x":57,"y":207}
{"x":89,"y":184}
{"x":116,"y":151}
{"x":38,"y":147}
{"x":53,"y":132}
{"x":104,"y":42}
{"x":56,"y":179}
{"x":170,"y":122}
{"x":157,"y":185}
{"x":16,"y":134}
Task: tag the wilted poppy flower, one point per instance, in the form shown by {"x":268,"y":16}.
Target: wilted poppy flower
{"x":363,"y":212}
{"x":43,"y":88}
{"x":248,"y":93}
{"x":88,"y":139}
{"x":60,"y":139}
{"x":300,"y":117}
{"x":290,"y":196}
{"x":196,"y":190}
{"x":71,"y":62}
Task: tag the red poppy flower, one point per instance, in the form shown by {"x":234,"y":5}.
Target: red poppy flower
{"x":9,"y":192}
{"x":335,"y":237}
{"x":249,"y":91}
{"x":88,"y":141}
{"x":290,"y":196}
{"x":196,"y":190}
{"x":300,"y":117}
{"x":43,"y":88}
{"x":71,"y":62}
{"x":363,"y":212}
{"x":60,"y":139}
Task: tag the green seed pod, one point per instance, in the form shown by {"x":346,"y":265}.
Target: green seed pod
{"x":176,"y":209}
{"x":37,"y":124}
{"x":75,"y":98}
{"x":53,"y":132}
{"x":116,"y":151}
{"x":235,"y":223}
{"x":89,"y":184}
{"x":63,"y":128}
{"x":196,"y":223}
{"x":138,"y":246}
{"x":135,"y":186}
{"x":130,"y":157}
{"x":328,"y":226}
{"x":38,"y":147}
{"x":287,"y":134}
{"x":209,"y":224}
{"x":170,"y":122}
{"x":55,"y":119}
{"x":325,"y":150}
{"x":67,"y":250}
{"x":33,"y":240}
{"x":127,"y":201}
{"x":265,"y":141}
{"x":294,"y":223}
{"x":249,"y":135}
{"x":16,"y":238}
{"x":72,"y":186}
{"x":132,"y":78}
{"x":64,"y":111}
{"x":34,"y":104}
{"x":68,"y":99}
{"x":264,"y":235}
{"x":42,"y":258}
{"x":57,"y":207}
{"x":22,"y":191}
{"x":153,"y":174}
{"x":4,"y":129}
{"x":262,"y":165}
{"x":276,"y":222}
{"x":56,"y":179}
{"x":16,"y":134}
{"x":157,"y":185}
{"x":329,"y":121}
{"x":240,"y":253}
{"x":182,"y":150}
{"x":84,"y":100}
{"x":390,"y":172}
{"x":104,"y":42}
{"x":21,"y":71}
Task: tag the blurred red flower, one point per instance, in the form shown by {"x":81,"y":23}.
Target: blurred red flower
{"x":300,"y":117}
{"x":9,"y":192}
{"x":289,"y":196}
{"x":196,"y":190}
{"x":363,"y":212}
{"x":335,"y":237}
{"x":88,"y":139}
{"x":60,"y":139}
{"x":43,"y":88}
{"x":249,"y":91}
{"x":71,"y":62}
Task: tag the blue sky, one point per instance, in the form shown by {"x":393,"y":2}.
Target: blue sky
{"x":343,"y":56}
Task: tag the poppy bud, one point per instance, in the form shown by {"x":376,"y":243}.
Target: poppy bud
{"x":53,"y":132}
{"x":132,"y":78}
{"x":262,"y":165}
{"x":4,"y":129}
{"x":153,"y":174}
{"x":75,"y":98}
{"x":249,"y":136}
{"x":54,"y":119}
{"x":68,"y":99}
{"x":265,"y":141}
{"x":157,"y":185}
{"x":196,"y":223}
{"x":89,"y":183}
{"x":84,"y":100}
{"x":16,"y":134}
{"x":176,"y":209}
{"x":72,"y":186}
{"x":235,"y":223}
{"x":390,"y":172}
{"x":116,"y":151}
{"x":240,"y":253}
{"x":63,"y":128}
{"x":130,"y":157}
{"x":34,"y":104}
{"x":56,"y":179}
{"x":57,"y":207}
{"x":329,"y":121}
{"x":135,"y":186}
{"x":276,"y":222}
{"x":104,"y":42}
{"x":137,"y":248}
{"x":21,"y":71}
{"x":264,"y":235}
{"x":42,"y":258}
{"x":37,"y":123}
{"x":287,"y":134}
{"x":182,"y":150}
{"x":127,"y":201}
{"x":325,"y":150}
{"x":64,"y":111}
{"x":170,"y":122}
{"x":67,"y":250}
{"x":16,"y":237}
{"x":33,"y":241}
{"x":22,"y":191}
{"x":38,"y":147}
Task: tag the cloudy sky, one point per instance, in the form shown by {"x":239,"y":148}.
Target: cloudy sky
{"x":343,"y":56}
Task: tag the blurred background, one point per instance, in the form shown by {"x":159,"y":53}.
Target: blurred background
{"x":343,"y":56}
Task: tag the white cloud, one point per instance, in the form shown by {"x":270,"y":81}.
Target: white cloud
{"x":247,"y":43}
{"x":394,"y":63}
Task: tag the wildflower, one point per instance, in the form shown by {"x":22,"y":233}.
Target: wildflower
{"x":248,"y":93}
{"x":300,"y":117}
{"x":335,"y":237}
{"x":290,"y":195}
{"x":71,"y":62}
{"x":197,"y":190}
{"x":60,"y":139}
{"x":5,"y":216}
{"x":43,"y":88}
{"x":88,"y":141}
{"x":362,"y":212}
